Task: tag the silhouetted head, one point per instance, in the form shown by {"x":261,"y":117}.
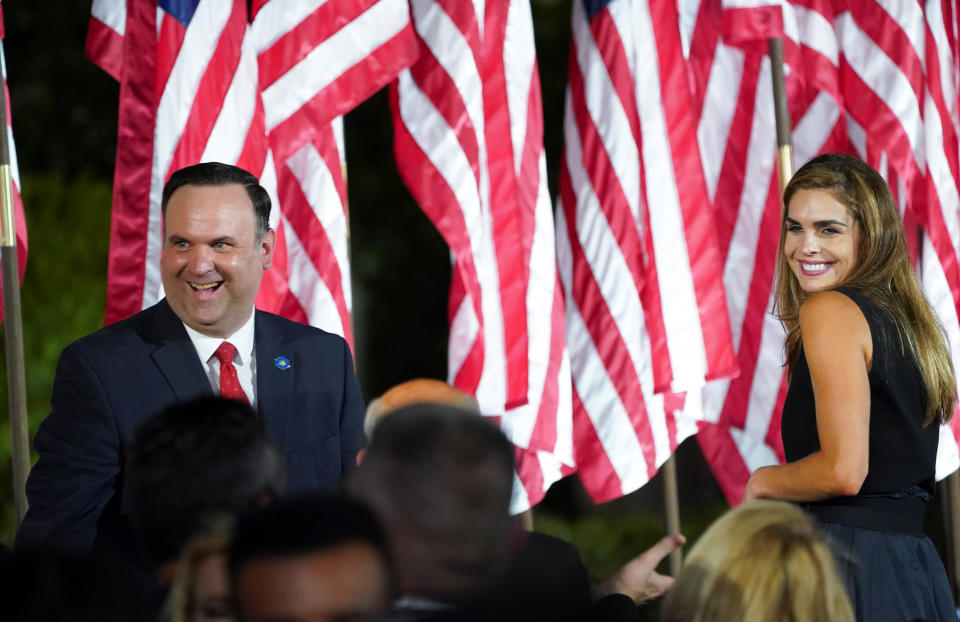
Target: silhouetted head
{"x":195,"y":461}
{"x":440,"y":479}
{"x":313,"y":558}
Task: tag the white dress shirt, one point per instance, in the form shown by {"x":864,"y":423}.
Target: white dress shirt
{"x":244,"y":360}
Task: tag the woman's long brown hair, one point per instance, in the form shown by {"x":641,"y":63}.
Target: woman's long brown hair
{"x":883,"y":274}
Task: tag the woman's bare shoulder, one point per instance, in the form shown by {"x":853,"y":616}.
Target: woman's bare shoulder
{"x":828,"y":305}
{"x":832,"y":316}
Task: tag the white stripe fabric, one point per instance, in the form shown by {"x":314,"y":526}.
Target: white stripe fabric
{"x":482,"y":183}
{"x":211,"y":106}
{"x":871,"y":60}
{"x":637,"y":261}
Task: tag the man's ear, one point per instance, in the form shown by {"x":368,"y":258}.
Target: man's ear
{"x":360,"y":456}
{"x":268,"y":244}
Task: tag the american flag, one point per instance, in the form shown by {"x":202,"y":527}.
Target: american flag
{"x":199,"y":82}
{"x":468,"y":131}
{"x":20,"y":222}
{"x":647,"y":323}
{"x":878,"y":79}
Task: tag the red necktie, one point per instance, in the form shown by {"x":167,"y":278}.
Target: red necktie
{"x":229,"y":384}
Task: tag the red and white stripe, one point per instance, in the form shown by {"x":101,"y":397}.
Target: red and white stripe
{"x":891,"y":67}
{"x":645,"y":309}
{"x":320,"y":58}
{"x":468,"y":137}
{"x":223,"y":89}
{"x":20,"y":221}
{"x":108,"y":23}
{"x":733,"y":92}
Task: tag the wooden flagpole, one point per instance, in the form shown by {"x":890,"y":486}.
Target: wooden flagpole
{"x":13,"y":322}
{"x":784,"y":148}
{"x":671,"y":502}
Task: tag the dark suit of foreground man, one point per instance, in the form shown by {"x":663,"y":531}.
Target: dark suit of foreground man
{"x":217,"y":243}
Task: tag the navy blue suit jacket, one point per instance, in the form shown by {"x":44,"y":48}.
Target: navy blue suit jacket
{"x":109,"y":382}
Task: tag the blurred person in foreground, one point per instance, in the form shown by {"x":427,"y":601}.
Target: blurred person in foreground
{"x":193,"y":463}
{"x":42,"y":586}
{"x":761,"y":562}
{"x":310,"y":559}
{"x":871,"y":379}
{"x":440,"y":478}
{"x":203,"y":338}
{"x":200,"y":591}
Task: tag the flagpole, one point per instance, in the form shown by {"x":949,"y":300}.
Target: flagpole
{"x":782,"y":112}
{"x":671,"y":502}
{"x":13,"y":323}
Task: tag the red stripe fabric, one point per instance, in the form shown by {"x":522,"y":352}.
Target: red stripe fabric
{"x":192,"y":92}
{"x":647,"y":319}
{"x":610,"y":346}
{"x":435,"y":198}
{"x":354,"y":86}
{"x":705,"y":264}
{"x":19,"y":217}
{"x":294,"y":45}
{"x":594,"y":468}
{"x":104,"y":47}
{"x":210,"y":93}
{"x":865,"y":78}
{"x":131,"y":187}
{"x":468,"y":139}
{"x":169,"y":41}
{"x":511,"y":235}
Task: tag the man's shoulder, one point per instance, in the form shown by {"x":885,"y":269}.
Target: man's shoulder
{"x":143,"y":326}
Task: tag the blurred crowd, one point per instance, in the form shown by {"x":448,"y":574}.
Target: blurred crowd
{"x":419,"y":530}
{"x":207,"y":461}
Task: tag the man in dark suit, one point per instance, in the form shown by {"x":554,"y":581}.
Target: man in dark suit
{"x":204,"y":338}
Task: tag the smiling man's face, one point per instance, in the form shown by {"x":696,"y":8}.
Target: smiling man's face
{"x":212,"y":261}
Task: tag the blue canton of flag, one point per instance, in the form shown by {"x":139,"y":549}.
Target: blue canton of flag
{"x":181,"y":10}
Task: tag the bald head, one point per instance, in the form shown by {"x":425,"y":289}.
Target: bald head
{"x":416,"y":391}
{"x":440,"y":480}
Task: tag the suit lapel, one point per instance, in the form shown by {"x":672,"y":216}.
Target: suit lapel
{"x":274,"y":385}
{"x":176,"y":357}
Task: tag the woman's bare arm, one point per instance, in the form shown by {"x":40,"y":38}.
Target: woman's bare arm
{"x":839,"y":349}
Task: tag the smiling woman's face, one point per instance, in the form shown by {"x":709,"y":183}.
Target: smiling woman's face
{"x":821,"y":240}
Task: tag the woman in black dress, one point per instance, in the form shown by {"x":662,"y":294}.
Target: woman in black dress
{"x":870,"y":380}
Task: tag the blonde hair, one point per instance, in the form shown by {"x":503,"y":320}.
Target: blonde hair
{"x":212,"y":541}
{"x":763,"y":562}
{"x":883,"y":274}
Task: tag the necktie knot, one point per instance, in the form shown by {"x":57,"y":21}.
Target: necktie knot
{"x":225,"y":352}
{"x":229,"y":383}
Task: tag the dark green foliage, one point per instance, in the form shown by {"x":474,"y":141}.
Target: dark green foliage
{"x":62,"y":295}
{"x":607,"y":540}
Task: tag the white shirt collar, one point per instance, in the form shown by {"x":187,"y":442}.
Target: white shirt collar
{"x":242,"y":340}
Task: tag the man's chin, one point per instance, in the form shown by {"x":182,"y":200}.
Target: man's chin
{"x":210,"y":324}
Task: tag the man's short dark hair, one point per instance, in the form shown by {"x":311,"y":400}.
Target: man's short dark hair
{"x":304,"y":525}
{"x":440,"y":479}
{"x":219,"y":174}
{"x":194,"y":461}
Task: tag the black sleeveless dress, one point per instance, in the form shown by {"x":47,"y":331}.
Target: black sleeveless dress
{"x":891,"y":569}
